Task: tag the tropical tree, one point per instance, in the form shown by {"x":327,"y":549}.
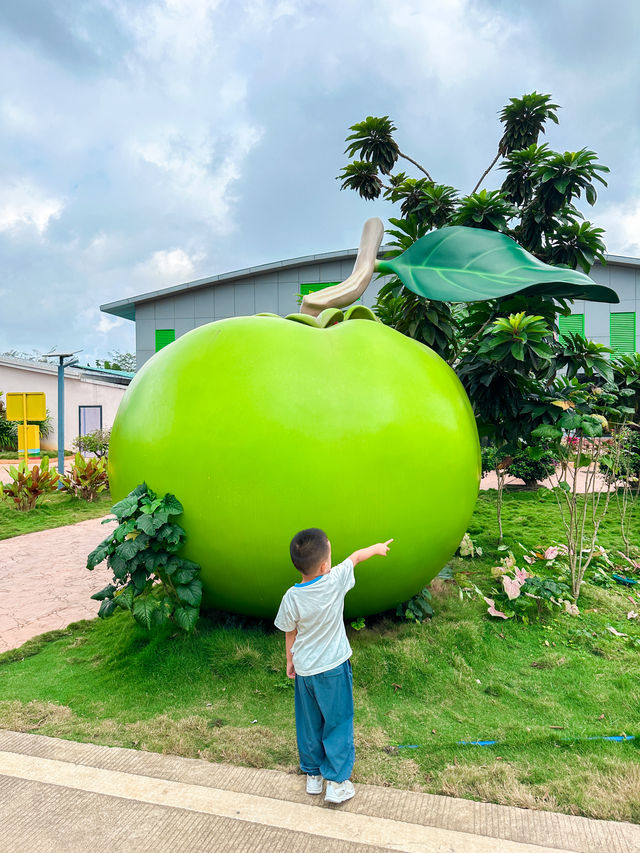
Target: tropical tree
{"x":535,"y":204}
{"x":503,"y":369}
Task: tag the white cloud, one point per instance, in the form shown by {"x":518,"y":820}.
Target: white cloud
{"x":622,"y":225}
{"x":107,"y":323}
{"x":191,"y":168}
{"x":457,"y":39}
{"x":165,"y":268}
{"x":25,"y":204}
{"x":170,"y":31}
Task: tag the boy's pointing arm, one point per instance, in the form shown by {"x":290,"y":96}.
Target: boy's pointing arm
{"x":380,"y":548}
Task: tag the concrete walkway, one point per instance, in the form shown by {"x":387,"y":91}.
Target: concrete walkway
{"x":58,"y":795}
{"x":44,"y":582}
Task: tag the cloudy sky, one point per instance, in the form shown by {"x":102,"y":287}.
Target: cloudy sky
{"x":150,"y":142}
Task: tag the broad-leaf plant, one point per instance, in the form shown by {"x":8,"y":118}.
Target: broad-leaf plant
{"x":150,"y":579}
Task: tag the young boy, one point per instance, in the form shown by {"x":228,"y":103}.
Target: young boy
{"x":318,"y":655}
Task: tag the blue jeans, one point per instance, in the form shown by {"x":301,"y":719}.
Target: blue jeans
{"x":324,"y":723}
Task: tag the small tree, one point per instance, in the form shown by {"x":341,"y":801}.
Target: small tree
{"x":96,"y":442}
{"x":577,"y":414}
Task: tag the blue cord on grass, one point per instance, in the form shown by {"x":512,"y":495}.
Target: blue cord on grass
{"x":624,"y":581}
{"x":617,"y":738}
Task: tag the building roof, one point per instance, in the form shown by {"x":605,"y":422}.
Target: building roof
{"x":92,"y":374}
{"x":126,"y":307}
{"x":106,"y":372}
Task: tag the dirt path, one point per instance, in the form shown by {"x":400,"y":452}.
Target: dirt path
{"x":44,"y":582}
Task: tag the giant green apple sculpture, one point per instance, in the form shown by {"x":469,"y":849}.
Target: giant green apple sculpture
{"x":262,"y":426}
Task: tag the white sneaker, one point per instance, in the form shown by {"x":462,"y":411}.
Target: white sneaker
{"x":339,"y":792}
{"x":314,"y":784}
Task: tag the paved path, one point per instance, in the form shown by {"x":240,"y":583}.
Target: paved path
{"x":58,"y":796}
{"x":490,"y":481}
{"x":44,"y":582}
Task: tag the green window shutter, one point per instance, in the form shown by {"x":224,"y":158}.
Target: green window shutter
{"x":573,"y":324}
{"x":312,"y":288}
{"x":164,"y":337}
{"x":622,"y":330}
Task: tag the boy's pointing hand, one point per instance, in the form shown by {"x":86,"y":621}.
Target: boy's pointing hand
{"x":382,"y":548}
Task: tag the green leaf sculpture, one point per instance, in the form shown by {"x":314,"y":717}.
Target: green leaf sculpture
{"x":461,"y":264}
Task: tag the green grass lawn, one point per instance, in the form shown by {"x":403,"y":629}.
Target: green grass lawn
{"x":54,"y":510}
{"x":540,"y":690}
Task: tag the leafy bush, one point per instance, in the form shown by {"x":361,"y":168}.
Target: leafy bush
{"x":615,"y":466}
{"x":468,"y":548}
{"x":87,"y":478}
{"x":28,"y":484}
{"x":533,"y":463}
{"x":418,"y":608}
{"x":149,"y":579}
{"x":96,"y":442}
{"x":523,"y":593}
{"x":489,"y":458}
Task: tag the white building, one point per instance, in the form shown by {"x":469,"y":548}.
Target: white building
{"x":91,"y":395}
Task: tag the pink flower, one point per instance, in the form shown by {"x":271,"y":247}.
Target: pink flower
{"x":551,"y":553}
{"x":522,"y":575}
{"x":511,"y":587}
{"x":491,"y":610}
{"x":528,"y":559}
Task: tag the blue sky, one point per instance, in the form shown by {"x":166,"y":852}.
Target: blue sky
{"x":148,"y":143}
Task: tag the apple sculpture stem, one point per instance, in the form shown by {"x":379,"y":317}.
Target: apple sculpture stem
{"x":352,"y":288}
{"x":458,"y":264}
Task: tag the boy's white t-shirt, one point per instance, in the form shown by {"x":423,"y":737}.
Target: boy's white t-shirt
{"x":315,"y":609}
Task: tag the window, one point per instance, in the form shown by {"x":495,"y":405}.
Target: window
{"x":622,"y":331}
{"x":573,"y":324}
{"x":164,"y":337}
{"x":312,"y":288}
{"x":89,"y":419}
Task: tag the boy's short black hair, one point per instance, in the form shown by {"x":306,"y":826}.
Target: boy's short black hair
{"x":308,"y":549}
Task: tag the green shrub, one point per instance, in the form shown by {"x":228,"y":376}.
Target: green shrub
{"x":149,"y":579}
{"x":28,"y":484}
{"x":489,"y":458}
{"x":626,"y":463}
{"x":532,"y":464}
{"x":87,"y":478}
{"x":96,"y":442}
{"x":418,"y":608}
